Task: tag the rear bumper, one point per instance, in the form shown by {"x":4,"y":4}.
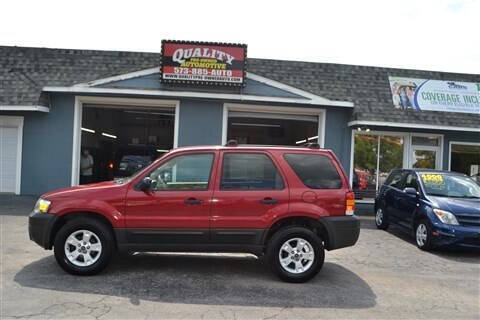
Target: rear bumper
{"x":342,"y":231}
{"x":458,"y":236}
{"x":40,"y":226}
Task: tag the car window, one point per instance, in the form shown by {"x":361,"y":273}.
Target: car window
{"x":411,"y":182}
{"x":316,"y":171}
{"x":184,"y":172}
{"x":395,"y":179}
{"x":249,"y":171}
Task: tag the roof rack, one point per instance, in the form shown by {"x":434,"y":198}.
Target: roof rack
{"x":311,"y":145}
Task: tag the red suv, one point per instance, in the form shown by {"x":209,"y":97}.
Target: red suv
{"x":286,"y":203}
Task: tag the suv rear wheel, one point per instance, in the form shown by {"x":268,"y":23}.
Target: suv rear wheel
{"x":84,"y":246}
{"x":295,"y":254}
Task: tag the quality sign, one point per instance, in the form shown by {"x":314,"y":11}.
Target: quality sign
{"x":203,"y":63}
{"x":435,"y":95}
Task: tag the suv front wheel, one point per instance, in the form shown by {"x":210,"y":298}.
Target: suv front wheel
{"x":295,"y":254}
{"x":83,"y":246}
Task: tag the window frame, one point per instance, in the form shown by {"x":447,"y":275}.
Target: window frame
{"x":269,"y":156}
{"x":212,"y":171}
{"x":332,"y":162}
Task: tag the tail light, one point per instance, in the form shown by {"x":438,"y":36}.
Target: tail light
{"x":110,"y":166}
{"x":350,"y":204}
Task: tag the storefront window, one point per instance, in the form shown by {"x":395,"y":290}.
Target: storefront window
{"x":465,"y":158}
{"x":365,"y":165}
{"x":391,"y":156}
{"x":374,"y":157}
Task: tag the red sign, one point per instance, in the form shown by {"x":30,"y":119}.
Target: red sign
{"x":203,"y":63}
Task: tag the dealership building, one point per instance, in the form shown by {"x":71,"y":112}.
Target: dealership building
{"x":54,"y":103}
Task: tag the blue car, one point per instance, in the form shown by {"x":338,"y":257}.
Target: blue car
{"x":440,"y":208}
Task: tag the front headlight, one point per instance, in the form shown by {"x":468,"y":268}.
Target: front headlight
{"x":41,"y":206}
{"x":445,"y":216}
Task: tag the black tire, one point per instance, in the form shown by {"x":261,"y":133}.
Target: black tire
{"x":426,"y":244}
{"x":278,"y":240}
{"x":103,"y":233}
{"x":381,"y":219}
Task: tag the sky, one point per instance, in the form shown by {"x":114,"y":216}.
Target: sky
{"x":442,"y":35}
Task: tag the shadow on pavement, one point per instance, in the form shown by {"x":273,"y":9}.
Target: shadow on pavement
{"x":457,"y":254}
{"x":196,"y":279}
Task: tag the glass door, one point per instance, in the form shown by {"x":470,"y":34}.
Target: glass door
{"x":425,"y":152}
{"x":424,"y":158}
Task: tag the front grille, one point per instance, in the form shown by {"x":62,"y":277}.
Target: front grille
{"x":468,"y":220}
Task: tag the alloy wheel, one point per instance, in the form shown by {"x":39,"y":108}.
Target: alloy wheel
{"x":421,"y":234}
{"x":296,"y":255}
{"x":379,"y":217}
{"x":83,"y":248}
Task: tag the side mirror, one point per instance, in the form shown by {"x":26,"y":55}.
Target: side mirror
{"x":145,"y":184}
{"x":411,"y":191}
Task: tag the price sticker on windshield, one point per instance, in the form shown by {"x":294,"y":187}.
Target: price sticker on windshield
{"x":432,"y":178}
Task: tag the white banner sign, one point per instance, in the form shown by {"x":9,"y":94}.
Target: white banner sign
{"x":435,"y":95}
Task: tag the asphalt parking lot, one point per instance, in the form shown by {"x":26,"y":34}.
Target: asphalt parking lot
{"x":383,"y":276}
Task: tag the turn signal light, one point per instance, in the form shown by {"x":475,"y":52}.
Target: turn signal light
{"x":350,"y":204}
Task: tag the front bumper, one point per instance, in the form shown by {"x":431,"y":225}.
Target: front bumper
{"x":453,"y":235}
{"x":342,"y":231}
{"x":40,"y":226}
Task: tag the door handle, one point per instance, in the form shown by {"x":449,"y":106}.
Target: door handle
{"x":269,"y":200}
{"x":193,"y":201}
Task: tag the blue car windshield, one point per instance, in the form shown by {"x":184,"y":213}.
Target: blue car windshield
{"x":450,"y":185}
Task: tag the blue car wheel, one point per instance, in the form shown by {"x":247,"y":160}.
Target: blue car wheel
{"x":381,"y":219}
{"x":423,"y":235}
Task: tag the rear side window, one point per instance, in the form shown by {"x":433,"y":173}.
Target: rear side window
{"x":249,"y":171}
{"x":395,"y":179}
{"x":316,"y":171}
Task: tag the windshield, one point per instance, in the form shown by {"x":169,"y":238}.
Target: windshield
{"x":450,"y":185}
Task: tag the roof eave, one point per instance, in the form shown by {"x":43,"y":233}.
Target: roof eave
{"x":192,"y":94}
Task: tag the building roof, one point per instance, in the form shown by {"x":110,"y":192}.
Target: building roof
{"x":25,"y":71}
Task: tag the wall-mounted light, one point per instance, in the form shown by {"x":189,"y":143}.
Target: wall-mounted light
{"x":301,"y":141}
{"x":366,"y":129}
{"x":160,"y":150}
{"x":109,"y":135}
{"x":88,"y":130}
